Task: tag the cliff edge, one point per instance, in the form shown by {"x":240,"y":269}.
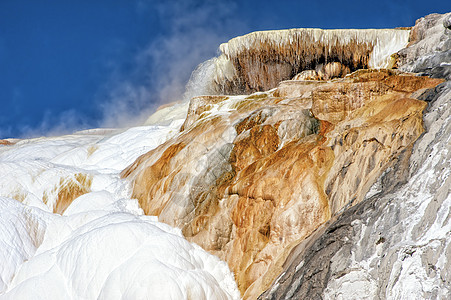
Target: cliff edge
{"x":294,"y":181}
{"x":396,"y":243}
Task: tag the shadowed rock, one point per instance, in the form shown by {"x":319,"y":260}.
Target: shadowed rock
{"x":258,"y":61}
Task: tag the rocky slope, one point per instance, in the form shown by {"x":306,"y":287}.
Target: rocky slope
{"x":429,"y":51}
{"x":250,"y":177}
{"x":330,"y":181}
{"x":396,"y":244}
{"x":260,"y":60}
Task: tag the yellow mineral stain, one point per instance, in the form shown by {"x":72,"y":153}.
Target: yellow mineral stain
{"x":298,"y":157}
{"x":69,"y":189}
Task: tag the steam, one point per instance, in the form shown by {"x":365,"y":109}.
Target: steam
{"x":55,"y":125}
{"x":158,"y":72}
{"x":193,"y":32}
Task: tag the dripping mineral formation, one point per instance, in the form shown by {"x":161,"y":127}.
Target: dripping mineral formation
{"x":260,"y":60}
{"x":324,"y":174}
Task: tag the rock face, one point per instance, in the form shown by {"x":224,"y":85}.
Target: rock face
{"x":396,"y":244}
{"x":313,"y":182}
{"x":332,"y":185}
{"x":249,"y":176}
{"x":260,"y":60}
{"x":429,"y":51}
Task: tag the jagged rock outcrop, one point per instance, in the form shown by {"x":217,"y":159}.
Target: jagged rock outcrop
{"x":429,"y":50}
{"x":297,"y":182}
{"x":396,"y":244}
{"x":314,"y":187}
{"x":249,"y":176}
{"x":260,"y":60}
{"x":334,"y":184}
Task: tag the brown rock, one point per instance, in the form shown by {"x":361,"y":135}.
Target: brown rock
{"x":260,"y":60}
{"x":5,"y":142}
{"x":307,"y":75}
{"x":324,"y":72}
{"x":248,"y":183}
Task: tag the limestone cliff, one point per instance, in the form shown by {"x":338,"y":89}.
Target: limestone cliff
{"x":248,"y":176}
{"x":396,"y":244}
{"x":260,"y":60}
{"x":267,"y":182}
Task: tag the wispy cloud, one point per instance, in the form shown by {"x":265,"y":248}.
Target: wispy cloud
{"x":55,"y":124}
{"x":191,"y":33}
{"x":155,"y":74}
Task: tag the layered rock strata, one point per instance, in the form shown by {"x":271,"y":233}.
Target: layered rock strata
{"x":260,"y":60}
{"x":429,"y":50}
{"x":396,"y":244}
{"x":249,"y":177}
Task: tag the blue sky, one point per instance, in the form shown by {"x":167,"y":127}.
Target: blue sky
{"x":71,"y":65}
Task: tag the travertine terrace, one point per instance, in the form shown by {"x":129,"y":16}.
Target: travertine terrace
{"x":315,"y":164}
{"x":248,"y":176}
{"x":260,"y":60}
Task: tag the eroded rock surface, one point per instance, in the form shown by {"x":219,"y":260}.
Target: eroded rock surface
{"x":258,"y":61}
{"x":249,"y":177}
{"x":396,"y":243}
{"x":429,"y":51}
